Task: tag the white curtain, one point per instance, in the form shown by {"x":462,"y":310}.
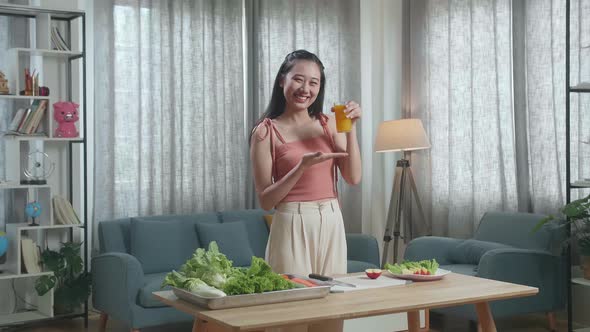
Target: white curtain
{"x":462,"y":91}
{"x":488,"y":80}
{"x":169,"y":105}
{"x":330,"y":29}
{"x":545,"y":103}
{"x":171,"y":119}
{"x":381,"y":71}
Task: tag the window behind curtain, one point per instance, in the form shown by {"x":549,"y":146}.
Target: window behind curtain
{"x":170,"y":132}
{"x":489,"y":83}
{"x":462,"y":91}
{"x":169,"y":107}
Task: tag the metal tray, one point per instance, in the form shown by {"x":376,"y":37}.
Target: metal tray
{"x":246,"y":300}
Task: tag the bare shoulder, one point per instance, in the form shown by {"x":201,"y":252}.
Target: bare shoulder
{"x":260,"y":134}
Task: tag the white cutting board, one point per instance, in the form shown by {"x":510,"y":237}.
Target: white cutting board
{"x":364,"y":282}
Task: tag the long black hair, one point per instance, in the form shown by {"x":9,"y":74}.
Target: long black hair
{"x":277,"y":103}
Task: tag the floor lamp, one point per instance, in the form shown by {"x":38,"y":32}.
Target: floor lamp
{"x":401,"y":135}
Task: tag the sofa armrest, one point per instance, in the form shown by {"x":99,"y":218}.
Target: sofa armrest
{"x":533,"y":268}
{"x":429,"y":247}
{"x":116,"y":280}
{"x":362,"y":247}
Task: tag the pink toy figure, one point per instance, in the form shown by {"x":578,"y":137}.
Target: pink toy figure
{"x":65,"y":114}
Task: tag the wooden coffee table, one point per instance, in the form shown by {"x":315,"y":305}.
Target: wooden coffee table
{"x":454,"y":289}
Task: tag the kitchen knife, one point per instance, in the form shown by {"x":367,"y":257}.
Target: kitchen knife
{"x":330,"y":281}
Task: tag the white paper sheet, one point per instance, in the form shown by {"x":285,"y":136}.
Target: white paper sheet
{"x":364,"y":282}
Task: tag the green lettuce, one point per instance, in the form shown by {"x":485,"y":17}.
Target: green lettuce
{"x":258,"y":278}
{"x":210,"y":268}
{"x":430,"y":265}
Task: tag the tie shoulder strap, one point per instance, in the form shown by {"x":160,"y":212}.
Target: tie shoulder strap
{"x":261,"y":135}
{"x":324,"y":122}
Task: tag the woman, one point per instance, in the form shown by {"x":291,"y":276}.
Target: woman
{"x":295,"y":152}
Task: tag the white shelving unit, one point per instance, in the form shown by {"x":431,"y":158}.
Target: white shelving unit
{"x":23,"y":97}
{"x":20,"y":58}
{"x":581,"y":281}
{"x":15,"y":232}
{"x":5,"y":275}
{"x":63,"y":72}
{"x":48,"y":53}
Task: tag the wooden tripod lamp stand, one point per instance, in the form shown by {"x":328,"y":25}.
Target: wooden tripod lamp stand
{"x":401,"y":135}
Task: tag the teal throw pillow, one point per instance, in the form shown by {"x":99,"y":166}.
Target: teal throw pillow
{"x":162,"y":245}
{"x":232,"y":239}
{"x":470,"y":251}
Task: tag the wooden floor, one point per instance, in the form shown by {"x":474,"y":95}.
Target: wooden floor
{"x":528,"y":323}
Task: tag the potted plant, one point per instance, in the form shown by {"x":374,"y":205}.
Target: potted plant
{"x":577,"y":215}
{"x":72,"y":284}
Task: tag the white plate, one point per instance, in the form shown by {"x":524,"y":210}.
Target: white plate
{"x":440,"y":273}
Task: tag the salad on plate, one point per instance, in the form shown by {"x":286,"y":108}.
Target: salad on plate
{"x":417,"y":270}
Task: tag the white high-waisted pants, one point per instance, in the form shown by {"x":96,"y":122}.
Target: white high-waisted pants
{"x":307,"y":237}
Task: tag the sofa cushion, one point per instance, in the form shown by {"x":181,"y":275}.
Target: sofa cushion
{"x":359,"y":266}
{"x":153,"y":282}
{"x":232,"y":239}
{"x":163,"y":244}
{"x":255,"y":226}
{"x":465,"y":269}
{"x":113,"y":235}
{"x":470,"y":251}
{"x":515,"y":229}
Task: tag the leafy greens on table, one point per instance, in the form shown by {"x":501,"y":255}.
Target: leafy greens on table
{"x":209,"y":273}
{"x":408,"y":267}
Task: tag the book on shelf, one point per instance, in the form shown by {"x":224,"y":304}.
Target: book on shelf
{"x":17,"y":120}
{"x":58,"y":41}
{"x":37,"y":109}
{"x":28,"y":121}
{"x":64,"y":212}
{"x":31,"y":256}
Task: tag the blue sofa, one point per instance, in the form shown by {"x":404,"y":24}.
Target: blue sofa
{"x":504,"y":248}
{"x":136,"y":253}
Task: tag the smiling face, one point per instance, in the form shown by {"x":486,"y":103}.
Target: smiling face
{"x":301,"y":85}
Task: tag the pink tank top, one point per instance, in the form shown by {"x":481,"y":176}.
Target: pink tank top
{"x":318,"y":182}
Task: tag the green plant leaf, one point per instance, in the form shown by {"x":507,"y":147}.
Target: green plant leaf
{"x":72,"y":285}
{"x":53,"y":260}
{"x":542,"y":223}
{"x":80,"y":288}
{"x":69,"y":249}
{"x":44,"y":284}
{"x":75,"y":264}
{"x":577,"y":215}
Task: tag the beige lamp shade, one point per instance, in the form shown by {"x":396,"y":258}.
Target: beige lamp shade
{"x":401,"y":135}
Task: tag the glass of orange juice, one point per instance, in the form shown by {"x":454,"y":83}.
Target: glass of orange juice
{"x":343,"y":124}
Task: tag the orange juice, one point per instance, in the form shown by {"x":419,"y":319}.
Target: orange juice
{"x":343,"y":124}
